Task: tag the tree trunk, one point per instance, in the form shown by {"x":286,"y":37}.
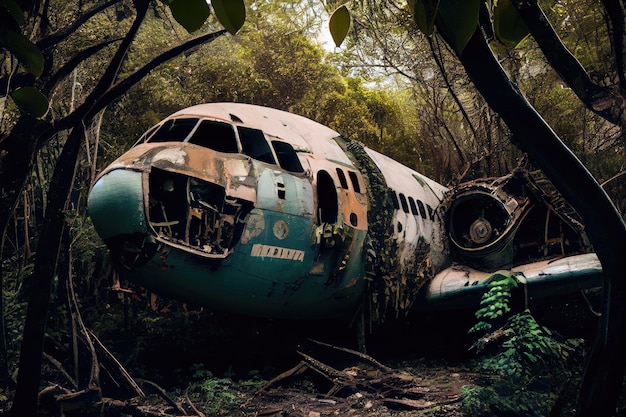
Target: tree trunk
{"x":28,"y":377}
{"x":604,"y":373}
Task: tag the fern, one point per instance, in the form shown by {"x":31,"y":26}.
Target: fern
{"x":531,"y":363}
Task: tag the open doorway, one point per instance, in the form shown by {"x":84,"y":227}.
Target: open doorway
{"x":327,"y":206}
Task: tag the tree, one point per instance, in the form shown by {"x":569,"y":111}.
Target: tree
{"x":467,"y":29}
{"x":30,"y":130}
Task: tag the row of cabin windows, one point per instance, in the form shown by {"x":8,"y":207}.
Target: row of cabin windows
{"x":226,"y":138}
{"x":354,"y":179}
{"x":411,"y":205}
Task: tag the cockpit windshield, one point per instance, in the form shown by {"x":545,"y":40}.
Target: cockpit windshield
{"x":215,"y":135}
{"x":174,"y":130}
{"x":227,"y":138}
{"x":254,"y":144}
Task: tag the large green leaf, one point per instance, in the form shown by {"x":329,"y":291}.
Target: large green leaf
{"x":31,"y":101}
{"x":230,"y":13}
{"x":508,"y":25}
{"x":339,"y":24}
{"x":14,"y":10}
{"x":424,"y":12}
{"x":24,"y":50}
{"x":191,"y":14}
{"x":457,"y":21}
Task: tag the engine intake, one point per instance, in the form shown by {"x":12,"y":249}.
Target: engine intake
{"x":482,"y":220}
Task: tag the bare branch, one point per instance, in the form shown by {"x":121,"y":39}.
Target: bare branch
{"x":615,"y":14}
{"x":70,"y":65}
{"x":596,"y":98}
{"x":64,"y":33}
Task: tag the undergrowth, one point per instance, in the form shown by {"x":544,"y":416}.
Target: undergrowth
{"x":218,"y":396}
{"x":532,"y":368}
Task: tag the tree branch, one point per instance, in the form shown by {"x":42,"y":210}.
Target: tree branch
{"x":615,"y":14}
{"x":64,"y":33}
{"x":93,"y":105}
{"x":564,"y":62}
{"x":70,"y":65}
{"x":606,"y":229}
{"x":121,"y":87}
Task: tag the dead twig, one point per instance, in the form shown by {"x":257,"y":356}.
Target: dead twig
{"x":192,"y":405}
{"x":300,"y":368}
{"x":359,"y":355}
{"x":129,"y":382}
{"x":161,"y":392}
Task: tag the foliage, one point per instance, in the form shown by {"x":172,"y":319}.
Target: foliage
{"x":219,"y":396}
{"x":495,"y":302}
{"x":531,"y":364}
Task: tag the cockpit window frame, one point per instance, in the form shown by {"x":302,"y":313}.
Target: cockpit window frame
{"x":289,"y":161}
{"x":235,"y":144}
{"x":149,"y":138}
{"x":244,"y":148}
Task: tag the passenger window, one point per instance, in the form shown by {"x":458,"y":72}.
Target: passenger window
{"x":431,"y":213}
{"x":287,"y":157}
{"x":218,"y":136}
{"x":342,"y":179}
{"x":394,"y":199}
{"x":422,"y":210}
{"x":174,"y":130}
{"x":254,"y":144}
{"x":413,"y":207}
{"x":405,"y":206}
{"x":355,"y":181}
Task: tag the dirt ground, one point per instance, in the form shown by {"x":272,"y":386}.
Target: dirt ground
{"x":428,"y":388}
{"x":418,"y":366}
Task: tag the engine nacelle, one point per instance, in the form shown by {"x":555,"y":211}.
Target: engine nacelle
{"x":481,"y":221}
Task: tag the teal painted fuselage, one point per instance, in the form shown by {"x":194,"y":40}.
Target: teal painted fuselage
{"x":257,"y":211}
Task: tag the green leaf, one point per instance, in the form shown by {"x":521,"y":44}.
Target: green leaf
{"x":30,"y":100}
{"x":339,"y":24}
{"x":24,"y":50}
{"x":230,"y":13}
{"x":424,"y":12}
{"x":457,"y":21}
{"x":508,"y":25}
{"x":191,"y":14}
{"x":14,"y":10}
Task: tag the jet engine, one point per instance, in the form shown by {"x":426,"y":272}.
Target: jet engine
{"x":500,"y":222}
{"x":482,"y":219}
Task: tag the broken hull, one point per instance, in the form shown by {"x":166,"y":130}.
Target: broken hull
{"x":267,"y":273}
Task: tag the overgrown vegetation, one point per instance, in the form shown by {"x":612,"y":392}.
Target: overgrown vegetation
{"x":387,"y":90}
{"x":533,"y":368}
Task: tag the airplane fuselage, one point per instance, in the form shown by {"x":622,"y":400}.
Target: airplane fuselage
{"x":258,"y":211}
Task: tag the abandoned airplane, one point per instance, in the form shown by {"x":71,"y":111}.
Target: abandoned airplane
{"x":257,"y":211}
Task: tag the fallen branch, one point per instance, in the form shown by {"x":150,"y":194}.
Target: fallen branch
{"x":192,"y":405}
{"x":128,"y":381}
{"x":359,"y":355}
{"x":300,"y":368}
{"x":161,"y":392}
{"x":61,"y":369}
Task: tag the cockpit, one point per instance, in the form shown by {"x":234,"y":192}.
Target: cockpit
{"x":225,"y":137}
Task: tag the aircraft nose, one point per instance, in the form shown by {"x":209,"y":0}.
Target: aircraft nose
{"x":115,"y":204}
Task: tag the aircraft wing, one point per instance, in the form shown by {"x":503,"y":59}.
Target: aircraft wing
{"x":459,"y":286}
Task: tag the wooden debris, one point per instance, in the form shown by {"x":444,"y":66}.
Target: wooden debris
{"x":365,"y":383}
